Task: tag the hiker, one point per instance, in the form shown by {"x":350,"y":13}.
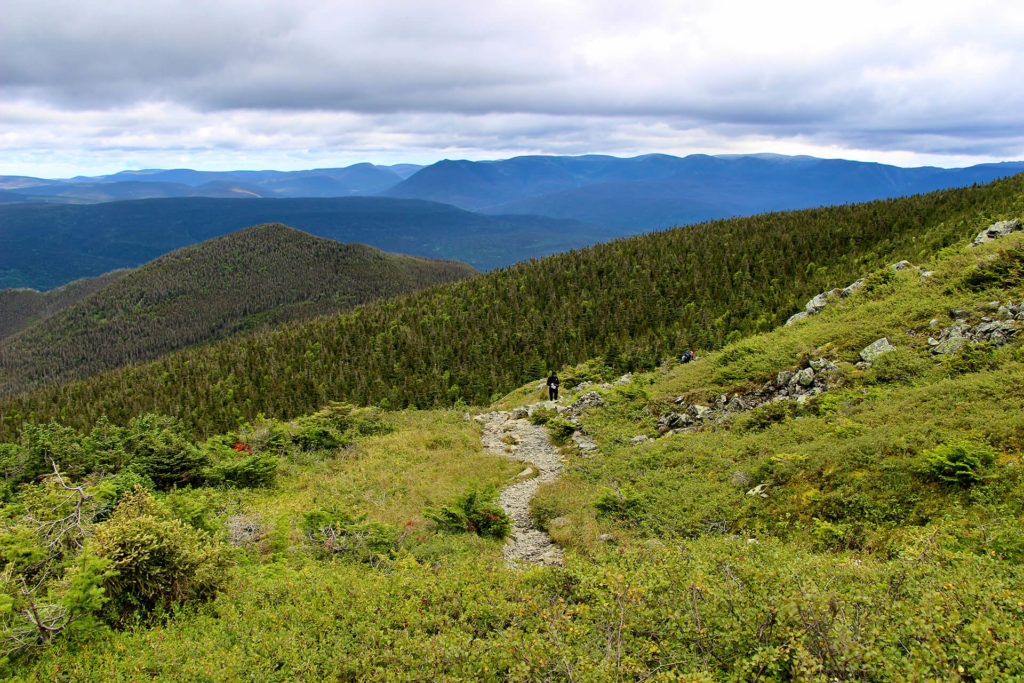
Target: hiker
{"x":553,"y":386}
{"x":686,"y":357}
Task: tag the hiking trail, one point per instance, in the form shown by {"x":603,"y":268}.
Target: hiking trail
{"x":520,"y":439}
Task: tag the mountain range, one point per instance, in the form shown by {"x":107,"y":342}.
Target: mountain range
{"x":486,"y":213}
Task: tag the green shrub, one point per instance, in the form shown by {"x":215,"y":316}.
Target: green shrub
{"x":827,"y":535}
{"x":901,"y":365}
{"x":160,"y":448}
{"x":156,"y":560}
{"x":543,"y":510}
{"x":561,"y":430}
{"x":540,"y":416}
{"x":970,"y":358}
{"x":474,"y":512}
{"x":1005,"y":269}
{"x":255,"y":470}
{"x":766,"y":415}
{"x":960,"y":462}
{"x":333,"y":532}
{"x":625,"y":505}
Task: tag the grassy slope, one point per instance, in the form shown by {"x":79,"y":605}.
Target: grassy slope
{"x":856,"y":566}
{"x":247,"y":280}
{"x":690,"y":287}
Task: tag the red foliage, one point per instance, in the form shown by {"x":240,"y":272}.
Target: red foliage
{"x":242,"y":447}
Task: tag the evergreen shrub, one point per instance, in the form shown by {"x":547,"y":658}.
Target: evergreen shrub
{"x":476,"y":512}
{"x":335,"y":533}
{"x":561,"y":430}
{"x":155,"y":559}
{"x":960,"y":462}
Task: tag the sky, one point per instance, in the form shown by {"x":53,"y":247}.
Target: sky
{"x":90,"y":87}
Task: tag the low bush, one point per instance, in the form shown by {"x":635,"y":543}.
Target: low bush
{"x":473,"y":512}
{"x":160,"y":448}
{"x":961,"y":462}
{"x":561,"y":430}
{"x":256,"y":470}
{"x":335,"y":533}
{"x":155,"y":559}
{"x":625,"y":505}
{"x":541,"y":416}
{"x":900,"y":365}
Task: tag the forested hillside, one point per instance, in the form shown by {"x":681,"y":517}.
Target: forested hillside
{"x":244,"y":281}
{"x":22,"y":307}
{"x":631,"y":301}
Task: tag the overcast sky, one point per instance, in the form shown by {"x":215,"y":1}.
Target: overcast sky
{"x":94,"y":87}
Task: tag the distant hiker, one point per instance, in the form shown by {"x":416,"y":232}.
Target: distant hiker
{"x":553,"y":386}
{"x":686,"y":357}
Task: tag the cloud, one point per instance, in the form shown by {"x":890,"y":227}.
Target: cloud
{"x":478,"y":78}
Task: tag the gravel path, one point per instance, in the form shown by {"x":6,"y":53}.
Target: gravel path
{"x":531,"y":446}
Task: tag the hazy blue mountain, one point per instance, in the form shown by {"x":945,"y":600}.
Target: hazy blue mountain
{"x":404,"y":170}
{"x":46,"y":245}
{"x":131,"y":189}
{"x":656,"y":190}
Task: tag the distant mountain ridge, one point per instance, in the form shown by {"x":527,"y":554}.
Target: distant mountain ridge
{"x":358,"y":179}
{"x":243,"y":281}
{"x":658,"y":191}
{"x":47,"y":245}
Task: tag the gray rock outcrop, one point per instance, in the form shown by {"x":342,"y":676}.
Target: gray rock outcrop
{"x":998,"y":331}
{"x":788,"y":384}
{"x":996,"y":230}
{"x":875,"y":349}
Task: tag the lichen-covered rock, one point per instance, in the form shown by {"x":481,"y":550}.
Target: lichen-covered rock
{"x":797,"y":316}
{"x":761,"y":491}
{"x":875,"y":349}
{"x":805,"y":377}
{"x":853,"y":288}
{"x":996,"y":230}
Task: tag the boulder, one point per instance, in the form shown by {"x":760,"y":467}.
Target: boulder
{"x":797,"y":316}
{"x":739,"y":479}
{"x":735,"y":404}
{"x":761,"y":490}
{"x":951,"y":341}
{"x":637,"y":440}
{"x":699,"y":412}
{"x":805,"y":377}
{"x":996,"y":230}
{"x":782,"y":379}
{"x":902,"y":265}
{"x":588,"y":400}
{"x":816,"y":304}
{"x":583,"y":443}
{"x":520,"y":413}
{"x":875,"y":349}
{"x":853,"y":288}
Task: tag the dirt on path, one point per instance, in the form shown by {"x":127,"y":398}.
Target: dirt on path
{"x":520,"y":439}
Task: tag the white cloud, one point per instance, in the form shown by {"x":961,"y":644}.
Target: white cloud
{"x":223,"y":83}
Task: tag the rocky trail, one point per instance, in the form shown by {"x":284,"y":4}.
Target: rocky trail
{"x":520,"y":439}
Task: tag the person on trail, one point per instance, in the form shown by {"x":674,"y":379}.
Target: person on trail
{"x":553,"y":386}
{"x":686,"y":357}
